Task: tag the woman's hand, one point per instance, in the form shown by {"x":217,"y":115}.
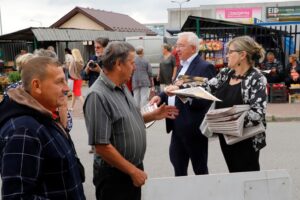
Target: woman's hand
{"x":168,"y":90}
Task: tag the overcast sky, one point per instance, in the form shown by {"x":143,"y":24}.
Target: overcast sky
{"x":17,"y":15}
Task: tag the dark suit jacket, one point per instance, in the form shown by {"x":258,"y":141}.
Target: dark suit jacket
{"x":191,"y":115}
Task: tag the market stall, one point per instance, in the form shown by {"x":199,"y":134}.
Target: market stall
{"x":216,"y":33}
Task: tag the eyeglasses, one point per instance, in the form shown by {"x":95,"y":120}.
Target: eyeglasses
{"x":98,"y":47}
{"x":230,"y":51}
{"x":180,"y":46}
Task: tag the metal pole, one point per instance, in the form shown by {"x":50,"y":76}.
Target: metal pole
{"x":179,"y":15}
{"x":0,"y":22}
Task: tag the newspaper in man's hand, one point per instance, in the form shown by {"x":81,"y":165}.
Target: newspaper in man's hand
{"x":146,"y":109}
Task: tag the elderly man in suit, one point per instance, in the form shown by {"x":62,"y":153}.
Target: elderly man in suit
{"x":187,"y":141}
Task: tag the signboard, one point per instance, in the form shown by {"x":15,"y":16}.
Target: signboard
{"x":243,"y":15}
{"x":283,"y":12}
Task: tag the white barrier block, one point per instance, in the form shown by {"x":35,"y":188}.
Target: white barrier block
{"x":261,"y":185}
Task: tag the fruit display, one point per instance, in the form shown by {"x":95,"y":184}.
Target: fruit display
{"x":4,"y":80}
{"x":211,"y":45}
{"x":218,"y":62}
{"x":3,"y":83}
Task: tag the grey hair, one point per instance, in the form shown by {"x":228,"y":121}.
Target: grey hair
{"x":102,"y":41}
{"x":45,"y":52}
{"x":192,"y":39}
{"x":255,"y":52}
{"x":116,"y":51}
{"x":139,"y":50}
{"x":22,"y":59}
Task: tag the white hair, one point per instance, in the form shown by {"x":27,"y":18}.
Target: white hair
{"x":192,"y":39}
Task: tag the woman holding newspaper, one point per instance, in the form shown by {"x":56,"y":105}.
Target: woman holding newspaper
{"x":241,"y":83}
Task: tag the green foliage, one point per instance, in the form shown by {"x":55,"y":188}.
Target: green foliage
{"x":14,"y":77}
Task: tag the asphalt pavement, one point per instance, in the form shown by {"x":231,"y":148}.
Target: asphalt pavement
{"x":281,"y":152}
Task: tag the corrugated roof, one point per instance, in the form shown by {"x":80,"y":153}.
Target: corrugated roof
{"x":108,"y":20}
{"x":55,"y":34}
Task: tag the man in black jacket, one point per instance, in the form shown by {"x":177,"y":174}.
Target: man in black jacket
{"x":187,"y":141}
{"x":38,"y":159}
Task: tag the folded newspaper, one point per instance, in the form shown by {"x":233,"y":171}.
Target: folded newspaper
{"x":146,"y":109}
{"x":247,"y":133}
{"x":231,"y":127}
{"x":227,"y":112}
{"x":195,"y":92}
{"x":230,"y":123}
{"x":191,"y":81}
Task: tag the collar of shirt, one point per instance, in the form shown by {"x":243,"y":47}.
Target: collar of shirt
{"x":188,"y":61}
{"x":108,"y":82}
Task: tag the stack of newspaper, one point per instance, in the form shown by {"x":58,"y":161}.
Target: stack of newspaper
{"x":230,"y":122}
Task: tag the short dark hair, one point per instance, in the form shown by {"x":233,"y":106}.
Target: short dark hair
{"x":167,"y":47}
{"x":116,"y":51}
{"x":36,"y":67}
{"x":102,"y":41}
{"x":68,"y":50}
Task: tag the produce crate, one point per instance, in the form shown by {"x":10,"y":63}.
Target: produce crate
{"x":278,"y":93}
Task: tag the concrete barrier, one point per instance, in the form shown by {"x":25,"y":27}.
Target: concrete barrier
{"x":261,"y":185}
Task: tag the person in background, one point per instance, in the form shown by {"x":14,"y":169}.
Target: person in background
{"x":68,"y":59}
{"x":52,"y":49}
{"x":175,"y":54}
{"x":292,"y":72}
{"x":116,"y":127}
{"x":75,"y":68}
{"x":22,"y":52}
{"x":38,"y":159}
{"x":142,"y":80}
{"x":92,"y":69}
{"x":167,"y":67}
{"x":275,"y":75}
{"x":187,"y":141}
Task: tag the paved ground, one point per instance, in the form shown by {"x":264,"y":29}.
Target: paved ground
{"x":283,"y":112}
{"x":281,"y":152}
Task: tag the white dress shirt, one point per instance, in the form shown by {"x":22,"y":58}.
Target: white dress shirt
{"x":185,"y":65}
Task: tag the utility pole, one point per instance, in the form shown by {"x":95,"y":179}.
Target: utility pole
{"x":180,"y":5}
{"x":0,"y":22}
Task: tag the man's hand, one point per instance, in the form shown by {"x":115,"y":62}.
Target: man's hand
{"x":96,"y":69}
{"x":138,"y":177}
{"x":165,"y":111}
{"x":155,"y":99}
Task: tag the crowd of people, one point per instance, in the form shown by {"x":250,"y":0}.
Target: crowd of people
{"x":38,"y":159}
{"x":275,"y":73}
